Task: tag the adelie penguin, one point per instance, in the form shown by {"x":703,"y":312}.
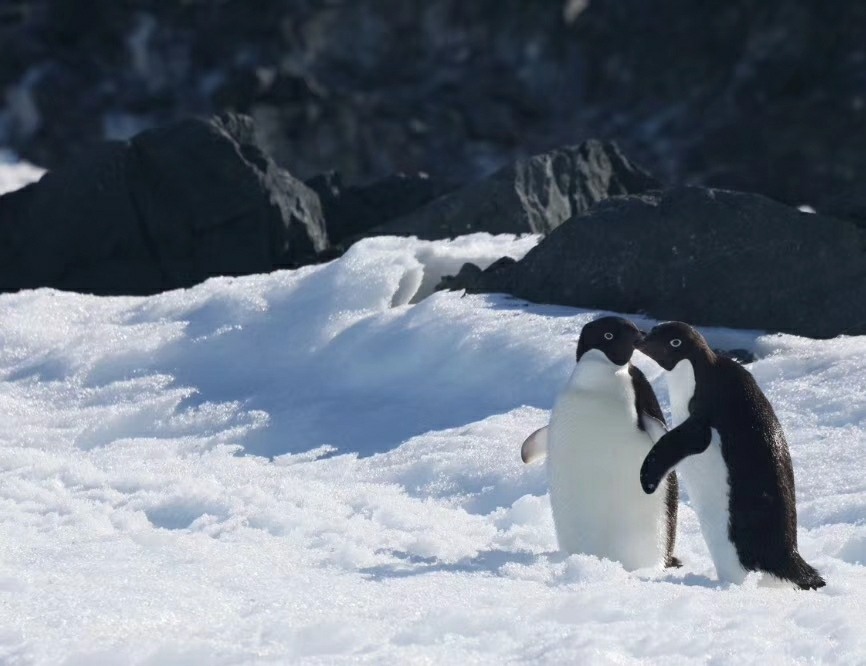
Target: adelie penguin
{"x":730,"y":452}
{"x":595,"y":444}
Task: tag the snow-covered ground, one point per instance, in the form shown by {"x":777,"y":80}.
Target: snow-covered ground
{"x":321,"y":467}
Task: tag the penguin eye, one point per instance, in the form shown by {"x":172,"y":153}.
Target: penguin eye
{"x":676,"y":342}
{"x":608,"y":336}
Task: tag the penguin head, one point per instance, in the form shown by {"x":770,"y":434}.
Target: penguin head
{"x":615,"y":337}
{"x":668,"y":344}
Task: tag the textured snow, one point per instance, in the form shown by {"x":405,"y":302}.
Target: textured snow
{"x":318,"y":467}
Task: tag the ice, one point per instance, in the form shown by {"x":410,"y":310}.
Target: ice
{"x":322,"y":466}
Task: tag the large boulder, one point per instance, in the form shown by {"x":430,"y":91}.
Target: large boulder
{"x":534,"y":195}
{"x":709,"y":257}
{"x":851,"y":207}
{"x":352,"y":210}
{"x":167,"y":209}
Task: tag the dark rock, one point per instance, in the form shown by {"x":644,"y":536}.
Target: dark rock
{"x":850,"y":206}
{"x":77,"y":229}
{"x":759,"y":95}
{"x":531,"y":196}
{"x":467,"y":276}
{"x":167,"y":209}
{"x":708,"y":257}
{"x":352,"y":210}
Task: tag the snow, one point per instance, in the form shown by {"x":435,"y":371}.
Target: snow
{"x":15,"y":174}
{"x":322,"y":467}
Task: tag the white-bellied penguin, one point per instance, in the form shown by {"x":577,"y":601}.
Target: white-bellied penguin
{"x":595,"y":443}
{"x":730,"y":452}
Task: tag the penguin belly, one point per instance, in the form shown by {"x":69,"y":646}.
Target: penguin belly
{"x":595,"y":452}
{"x":705,"y":477}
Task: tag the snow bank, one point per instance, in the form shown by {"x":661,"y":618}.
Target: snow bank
{"x":318,"y":466}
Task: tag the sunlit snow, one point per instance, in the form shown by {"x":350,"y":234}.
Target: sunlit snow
{"x":320,"y":466}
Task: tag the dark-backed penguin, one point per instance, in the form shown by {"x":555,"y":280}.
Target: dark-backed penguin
{"x":595,"y":443}
{"x":730,"y":452}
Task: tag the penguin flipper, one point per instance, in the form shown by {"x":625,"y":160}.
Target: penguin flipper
{"x":535,"y":446}
{"x":691,"y":437}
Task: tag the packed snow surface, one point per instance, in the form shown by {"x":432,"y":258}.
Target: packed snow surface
{"x":321,"y":466}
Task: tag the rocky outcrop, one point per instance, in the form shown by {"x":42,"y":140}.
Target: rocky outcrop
{"x":167,"y":209}
{"x":708,"y":257}
{"x":176,"y":205}
{"x":534,"y":195}
{"x":755,"y":95}
{"x":351,"y":211}
{"x":850,"y":206}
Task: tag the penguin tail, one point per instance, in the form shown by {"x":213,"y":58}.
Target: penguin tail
{"x":672,"y":562}
{"x":802,"y":574}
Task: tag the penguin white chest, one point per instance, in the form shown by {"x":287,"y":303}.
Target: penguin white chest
{"x":705,"y":477}
{"x":595,"y":451}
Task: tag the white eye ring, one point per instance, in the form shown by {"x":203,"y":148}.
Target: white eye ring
{"x":676,"y":342}
{"x":608,"y":336}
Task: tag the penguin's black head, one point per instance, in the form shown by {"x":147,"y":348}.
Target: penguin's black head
{"x":668,"y":344}
{"x":614,"y":336}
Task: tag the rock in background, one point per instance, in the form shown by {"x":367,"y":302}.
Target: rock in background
{"x":706,"y":256}
{"x":167,"y":209}
{"x":199,"y":198}
{"x":757,"y":95}
{"x":352,"y":211}
{"x":533,"y":195}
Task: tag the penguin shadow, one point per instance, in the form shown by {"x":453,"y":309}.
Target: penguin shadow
{"x":44,"y":369}
{"x":687,"y":580}
{"x":489,"y":561}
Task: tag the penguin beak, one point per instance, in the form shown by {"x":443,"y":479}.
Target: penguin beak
{"x":649,"y":346}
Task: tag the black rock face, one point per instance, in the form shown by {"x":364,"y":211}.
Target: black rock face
{"x":708,"y":257}
{"x":534,"y":195}
{"x":754,"y":95}
{"x":167,"y":209}
{"x":351,"y":211}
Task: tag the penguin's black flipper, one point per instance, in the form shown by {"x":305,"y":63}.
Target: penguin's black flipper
{"x":692,"y":436}
{"x":645,"y":402}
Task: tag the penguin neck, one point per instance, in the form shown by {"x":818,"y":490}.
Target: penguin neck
{"x":594,"y":370}
{"x":681,"y":389}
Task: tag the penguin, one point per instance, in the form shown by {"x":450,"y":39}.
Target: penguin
{"x":535,"y":446}
{"x":730,"y":452}
{"x":595,"y":442}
